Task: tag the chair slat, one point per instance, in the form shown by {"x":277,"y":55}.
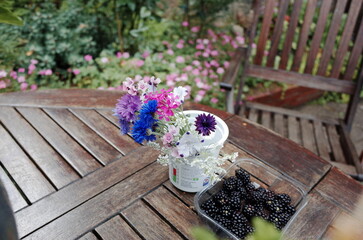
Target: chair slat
{"x":277,"y":33}
{"x":267,"y":20}
{"x":279,"y":124}
{"x":304,"y":34}
{"x":266,"y":119}
{"x":293,"y":127}
{"x":322,"y":140}
{"x":354,"y":10}
{"x":355,"y":54}
{"x":333,"y":31}
{"x":319,"y":30}
{"x":335,"y":144}
{"x":253,"y":115}
{"x":290,"y":34}
{"x":307,"y":132}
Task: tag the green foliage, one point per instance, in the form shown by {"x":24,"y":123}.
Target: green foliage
{"x":200,"y":233}
{"x":8,"y":17}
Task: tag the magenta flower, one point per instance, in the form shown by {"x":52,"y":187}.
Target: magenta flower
{"x":21,"y":79}
{"x":214,"y":53}
{"x":3,"y":73}
{"x":13,"y":74}
{"x":2,"y":84}
{"x":166,"y":103}
{"x":180,"y":45}
{"x":195,"y":72}
{"x":33,"y":61}
{"x":31,"y":67}
{"x":21,"y":70}
{"x":48,"y":72}
{"x":205,"y":124}
{"x":126,"y":55}
{"x":220,"y":70}
{"x":139,"y":63}
{"x":23,"y":86}
{"x":33,"y":87}
{"x":170,"y":52}
{"x":195,"y":29}
{"x":104,"y":60}
{"x":214,"y":100}
{"x":196,"y":63}
{"x":188,"y":68}
{"x":185,"y":24}
{"x":145,"y":54}
{"x":88,"y":58}
{"x":76,"y":71}
{"x":118,"y":54}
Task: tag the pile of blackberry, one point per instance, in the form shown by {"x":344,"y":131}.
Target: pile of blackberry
{"x":239,"y":201}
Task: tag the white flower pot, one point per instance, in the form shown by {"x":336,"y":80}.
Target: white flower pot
{"x":191,"y":178}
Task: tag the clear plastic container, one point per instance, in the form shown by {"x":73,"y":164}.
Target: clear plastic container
{"x":262,"y":175}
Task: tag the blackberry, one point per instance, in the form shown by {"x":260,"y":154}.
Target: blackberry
{"x":268,"y":195}
{"x":230,"y":184}
{"x":226,"y":211}
{"x":243,"y":175}
{"x":239,"y":219}
{"x":209,"y":207}
{"x":275,"y":206}
{"x":223,"y":221}
{"x":235,"y":202}
{"x":259,"y":208}
{"x":249,"y":210}
{"x":243,"y":193}
{"x":256,"y":195}
{"x":250,"y":187}
{"x":279,"y":220}
{"x":221,"y":198}
{"x":239,"y":231}
{"x":290,"y":210}
{"x":249,"y":229}
{"x":284,"y":198}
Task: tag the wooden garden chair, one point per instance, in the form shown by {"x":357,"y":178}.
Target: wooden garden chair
{"x":309,"y":43}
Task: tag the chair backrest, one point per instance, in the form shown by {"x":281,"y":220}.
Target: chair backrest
{"x":311,"y":43}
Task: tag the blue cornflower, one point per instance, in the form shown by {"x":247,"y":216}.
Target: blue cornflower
{"x":124,"y":125}
{"x":145,"y":122}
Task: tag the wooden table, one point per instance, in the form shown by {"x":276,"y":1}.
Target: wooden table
{"x":70,"y":174}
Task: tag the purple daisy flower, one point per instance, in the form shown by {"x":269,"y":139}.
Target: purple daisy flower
{"x":126,"y":107}
{"x":205,"y":124}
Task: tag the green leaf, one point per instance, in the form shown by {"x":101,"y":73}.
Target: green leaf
{"x":264,"y":230}
{"x":144,"y":12}
{"x":200,"y":233}
{"x":8,"y":17}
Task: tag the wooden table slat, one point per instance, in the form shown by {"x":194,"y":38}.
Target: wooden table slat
{"x":89,"y":139}
{"x":308,"y":137}
{"x":148,"y":223}
{"x":113,"y":200}
{"x":107,"y":130}
{"x":173,"y":210}
{"x":116,"y":228}
{"x":16,"y":200}
{"x":322,"y":140}
{"x":27,"y":176}
{"x":88,"y":236}
{"x":72,"y":195}
{"x":67,"y":147}
{"x":48,"y":160}
{"x":335,"y":144}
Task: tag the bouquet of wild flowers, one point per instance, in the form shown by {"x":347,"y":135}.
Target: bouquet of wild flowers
{"x":157,"y":116}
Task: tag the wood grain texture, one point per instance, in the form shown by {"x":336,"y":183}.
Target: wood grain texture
{"x":279,"y":152}
{"x":89,"y":139}
{"x":308,"y":136}
{"x":313,"y":219}
{"x":253,"y":115}
{"x":48,"y":160}
{"x":27,"y":176}
{"x":88,"y":236}
{"x":293,"y":129}
{"x":266,"y":119}
{"x":16,"y":200}
{"x":116,"y":228}
{"x":279,"y":125}
{"x":89,"y":214}
{"x":148,"y":223}
{"x":187,"y":198}
{"x":105,"y":129}
{"x":341,"y":189}
{"x":281,"y":186}
{"x":77,"y":193}
{"x":61,"y":98}
{"x":196,"y":106}
{"x":322,"y":140}
{"x":66,"y":146}
{"x":174,"y":211}
{"x":335,"y":143}
{"x":355,"y":55}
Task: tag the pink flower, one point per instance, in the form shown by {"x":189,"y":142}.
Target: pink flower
{"x":197,"y":54}
{"x":265,"y":53}
{"x":198,"y":98}
{"x":13,"y":74}
{"x":31,"y":67}
{"x":195,"y":72}
{"x":145,"y":54}
{"x":104,"y":60}
{"x":3,"y":73}
{"x":139,"y":63}
{"x":2,"y":84}
{"x":214,"y":63}
{"x":240,"y":40}
{"x":188,"y":68}
{"x":205,"y":72}
{"x":126,"y":55}
{"x":195,"y":29}
{"x":214,"y":53}
{"x":166,"y":103}
{"x":214,"y":100}
{"x":196,"y":63}
{"x":234,"y":44}
{"x":33,"y":61}
{"x":170,"y":52}
{"x":41,"y":72}
{"x":170,"y":83}
{"x":205,"y":54}
{"x":118,"y":54}
{"x":168,"y":138}
{"x":21,"y":79}
{"x":206,"y":64}
{"x":185,"y":24}
{"x":197,"y":80}
{"x":76,"y":71}
{"x":199,"y":47}
{"x":166,"y":43}
{"x":205,"y":41}
{"x":48,"y":72}
{"x":101,"y":88}
{"x":179,"y":59}
{"x":254,"y":45}
{"x":23,"y":86}
{"x":226,"y":64}
{"x":180,"y":45}
{"x":201,"y":93}
{"x":21,"y":70}
{"x":88,"y":58}
{"x":33,"y":87}
{"x":220,"y":70}
{"x":160,"y":56}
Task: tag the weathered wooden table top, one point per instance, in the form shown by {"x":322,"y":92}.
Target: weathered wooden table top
{"x":70,"y":174}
